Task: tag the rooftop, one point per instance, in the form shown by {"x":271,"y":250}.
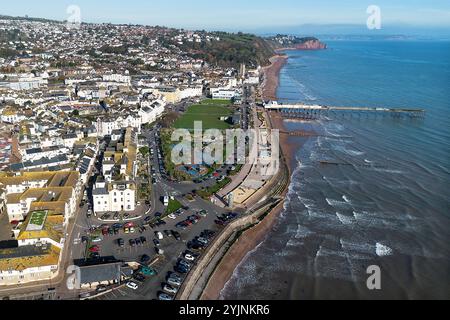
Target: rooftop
{"x":25,"y":257}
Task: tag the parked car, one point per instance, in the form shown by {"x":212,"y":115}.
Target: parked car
{"x":173,"y":275}
{"x":121,"y":242}
{"x":132,"y":285}
{"x":181,"y":269}
{"x":165,"y":297}
{"x":147,"y":219}
{"x":97,"y":239}
{"x":176,"y":234}
{"x":169,"y":289}
{"x":167,"y":233}
{"x":139,"y":277}
{"x":94,"y":255}
{"x":132,"y":242}
{"x":147,"y":271}
{"x":184,"y":264}
{"x":220,"y":222}
{"x":145,"y":258}
{"x":159,"y":235}
{"x":156,"y":242}
{"x":202,"y":240}
{"x":174,"y":282}
{"x":143,"y":239}
{"x":101,"y":288}
{"x":189,"y":257}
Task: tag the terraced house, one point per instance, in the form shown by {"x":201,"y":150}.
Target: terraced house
{"x":30,"y":191}
{"x":115,"y":190}
{"x":36,"y":254}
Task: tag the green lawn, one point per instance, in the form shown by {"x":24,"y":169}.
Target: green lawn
{"x":209,"y":112}
{"x":208,"y":192}
{"x":219,"y":102}
{"x":173,"y":206}
{"x":38,"y":218}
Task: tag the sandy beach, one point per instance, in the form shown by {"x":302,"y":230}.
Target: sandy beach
{"x":251,"y":238}
{"x":272,"y":76}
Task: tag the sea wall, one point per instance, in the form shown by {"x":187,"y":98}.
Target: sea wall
{"x":193,"y":277}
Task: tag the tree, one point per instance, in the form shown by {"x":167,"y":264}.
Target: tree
{"x":169,"y":119}
{"x":144,"y":151}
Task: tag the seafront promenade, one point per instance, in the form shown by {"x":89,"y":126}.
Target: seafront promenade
{"x":217,"y":264}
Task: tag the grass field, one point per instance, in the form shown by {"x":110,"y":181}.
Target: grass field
{"x":209,"y":112}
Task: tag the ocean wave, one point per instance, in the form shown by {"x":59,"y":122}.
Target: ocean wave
{"x":387,"y":222}
{"x":387,"y":171}
{"x":337,"y":203}
{"x":350,"y":152}
{"x":345,"y":220}
{"x":383,"y":251}
{"x":304,"y":90}
{"x":346,"y":199}
{"x":336,"y":126}
{"x":308,"y":203}
{"x":294,"y":243}
{"x":317,"y":214}
{"x":302,"y":232}
{"x":345,"y":254}
{"x":339,"y":182}
{"x":357,"y":247}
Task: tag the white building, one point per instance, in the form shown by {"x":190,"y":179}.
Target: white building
{"x":222,"y":93}
{"x":191,"y":92}
{"x":117,"y":78}
{"x":34,"y":154}
{"x":114,"y":196}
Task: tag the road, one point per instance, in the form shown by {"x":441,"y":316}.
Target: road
{"x":173,"y":249}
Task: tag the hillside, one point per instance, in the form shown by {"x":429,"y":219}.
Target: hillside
{"x":231,"y":50}
{"x":281,"y":42}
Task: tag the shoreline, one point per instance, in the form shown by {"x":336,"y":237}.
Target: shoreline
{"x":272,"y":76}
{"x":251,"y":238}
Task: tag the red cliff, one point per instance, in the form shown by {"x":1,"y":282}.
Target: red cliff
{"x":311,"y":45}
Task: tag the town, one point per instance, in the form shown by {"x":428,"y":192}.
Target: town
{"x":87,"y":181}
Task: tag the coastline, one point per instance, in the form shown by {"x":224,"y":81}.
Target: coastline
{"x":255,"y":235}
{"x":272,"y":76}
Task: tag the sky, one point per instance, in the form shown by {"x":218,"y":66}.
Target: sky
{"x":241,"y":15}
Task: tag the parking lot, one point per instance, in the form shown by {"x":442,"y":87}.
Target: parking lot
{"x":173,"y":251}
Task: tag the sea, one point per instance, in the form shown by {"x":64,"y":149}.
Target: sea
{"x":388,"y":202}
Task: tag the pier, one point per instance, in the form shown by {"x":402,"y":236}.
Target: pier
{"x":312,"y":112}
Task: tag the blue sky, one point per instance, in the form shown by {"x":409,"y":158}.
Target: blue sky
{"x":245,"y":15}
